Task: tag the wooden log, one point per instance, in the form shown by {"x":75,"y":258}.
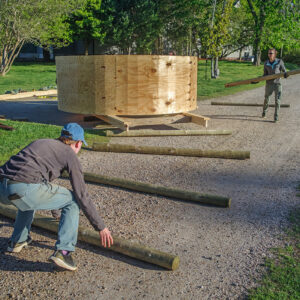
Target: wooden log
{"x":6,"y":127}
{"x":262,"y":78}
{"x":127,"y":247}
{"x":120,"y":148}
{"x":143,"y":133}
{"x":157,"y":189}
{"x":245,"y":104}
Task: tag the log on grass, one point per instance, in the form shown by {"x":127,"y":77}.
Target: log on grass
{"x":157,"y":189}
{"x":6,"y":127}
{"x":262,"y":78}
{"x":135,"y":250}
{"x":137,"y":133}
{"x":245,"y":104}
{"x":120,"y":148}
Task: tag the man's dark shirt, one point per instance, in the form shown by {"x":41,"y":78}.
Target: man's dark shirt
{"x":44,"y":160}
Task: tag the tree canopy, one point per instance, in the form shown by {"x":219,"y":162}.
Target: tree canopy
{"x":29,"y":21}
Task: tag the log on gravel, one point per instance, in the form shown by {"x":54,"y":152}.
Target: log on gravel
{"x":157,"y":189}
{"x":245,"y":104}
{"x":262,"y":78}
{"x":120,"y":148}
{"x":135,"y":250}
{"x":143,"y":133}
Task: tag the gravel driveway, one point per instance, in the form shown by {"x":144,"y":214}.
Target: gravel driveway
{"x":221,"y":250}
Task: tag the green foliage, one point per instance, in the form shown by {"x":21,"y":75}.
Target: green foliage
{"x":276,"y":24}
{"x":131,"y":25}
{"x":215,"y":32}
{"x":13,"y":141}
{"x":29,"y":21}
{"x":240,"y":30}
{"x":86,"y":24}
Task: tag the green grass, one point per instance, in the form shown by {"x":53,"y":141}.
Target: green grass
{"x":28,"y":76}
{"x":13,"y":141}
{"x":229,"y":71}
{"x":282,"y":280}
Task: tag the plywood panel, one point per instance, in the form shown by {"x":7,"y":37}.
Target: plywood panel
{"x":127,"y":84}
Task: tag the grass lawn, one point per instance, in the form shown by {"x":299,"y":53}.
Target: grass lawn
{"x":229,"y":71}
{"x":13,"y":141}
{"x":282,"y":280}
{"x":28,"y":76}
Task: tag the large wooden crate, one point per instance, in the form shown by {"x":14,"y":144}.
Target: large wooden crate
{"x":127,"y":84}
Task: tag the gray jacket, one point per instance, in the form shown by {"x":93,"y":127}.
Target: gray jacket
{"x":43,"y":161}
{"x":274,"y":68}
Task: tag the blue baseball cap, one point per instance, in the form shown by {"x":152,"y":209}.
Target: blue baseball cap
{"x":73,"y":131}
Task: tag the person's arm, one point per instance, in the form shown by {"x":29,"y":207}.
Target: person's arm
{"x":265,"y":70}
{"x":85,"y":202}
{"x":283,"y":69}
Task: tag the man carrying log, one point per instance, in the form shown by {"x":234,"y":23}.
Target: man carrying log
{"x":273,"y":66}
{"x":25,"y":183}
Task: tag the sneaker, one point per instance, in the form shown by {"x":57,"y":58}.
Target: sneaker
{"x":17,"y":247}
{"x":275,"y":119}
{"x":63,"y":261}
{"x":263,"y":115}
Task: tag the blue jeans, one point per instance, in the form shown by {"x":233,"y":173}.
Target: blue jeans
{"x":46,"y":196}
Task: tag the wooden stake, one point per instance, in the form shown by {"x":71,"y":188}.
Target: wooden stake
{"x":197,"y":119}
{"x":262,"y":78}
{"x":138,"y":251}
{"x":245,"y":104}
{"x":158,"y":190}
{"x":136,"y":133}
{"x":120,"y":148}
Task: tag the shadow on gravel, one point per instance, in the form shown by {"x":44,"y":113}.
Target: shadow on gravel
{"x":14,"y":261}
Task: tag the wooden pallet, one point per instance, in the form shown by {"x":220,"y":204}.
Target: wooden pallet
{"x":125,"y":122}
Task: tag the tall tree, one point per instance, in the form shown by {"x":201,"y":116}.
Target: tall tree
{"x":30,"y":21}
{"x":273,"y":21}
{"x":215,"y":33}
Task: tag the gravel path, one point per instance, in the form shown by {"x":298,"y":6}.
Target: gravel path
{"x":221,"y":250}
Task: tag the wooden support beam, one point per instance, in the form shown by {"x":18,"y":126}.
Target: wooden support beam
{"x":262,"y":78}
{"x":200,"y":120}
{"x":114,"y":120}
{"x":245,"y":104}
{"x":27,"y":94}
{"x":135,"y":250}
{"x":157,"y":189}
{"x":143,"y":133}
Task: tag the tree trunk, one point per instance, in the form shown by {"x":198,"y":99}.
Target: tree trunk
{"x":46,"y":55}
{"x":212,"y":69}
{"x":157,"y":190}
{"x":137,"y":133}
{"x":86,"y":47}
{"x":122,"y":148}
{"x":216,"y":67}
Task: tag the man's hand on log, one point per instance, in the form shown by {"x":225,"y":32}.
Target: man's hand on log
{"x":286,"y":75}
{"x":254,"y":82}
{"x":106,"y":238}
